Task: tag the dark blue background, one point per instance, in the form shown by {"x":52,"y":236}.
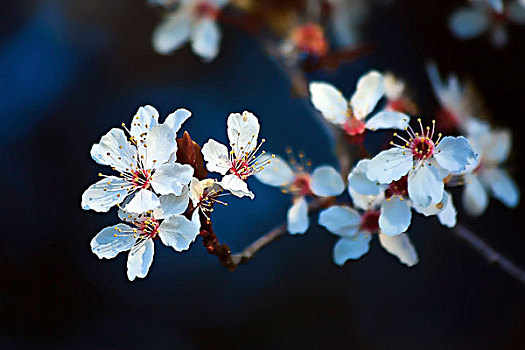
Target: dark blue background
{"x":71,"y":70}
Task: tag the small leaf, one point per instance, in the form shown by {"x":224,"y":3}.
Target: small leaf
{"x":189,"y":152}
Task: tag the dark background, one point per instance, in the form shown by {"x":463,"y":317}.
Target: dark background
{"x":70,"y":70}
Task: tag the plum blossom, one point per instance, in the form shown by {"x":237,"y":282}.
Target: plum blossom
{"x":144,"y":160}
{"x":242,"y":161}
{"x":140,"y":230}
{"x":204,"y":194}
{"x":486,"y":175}
{"x":356,"y":232}
{"x":486,"y":16}
{"x":194,"y":21}
{"x":296,"y":179}
{"x":393,"y":201}
{"x":351,"y":116}
{"x":425,"y":162}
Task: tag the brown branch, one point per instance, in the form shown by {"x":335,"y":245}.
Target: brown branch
{"x":489,"y":253}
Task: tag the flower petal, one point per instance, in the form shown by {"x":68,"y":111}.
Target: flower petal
{"x":243,"y":131}
{"x":206,"y":39}
{"x":401,"y":247}
{"x":330,"y":102}
{"x":363,"y":201}
{"x":326,"y":182}
{"x":454,"y":153}
{"x":370,"y":89}
{"x":112,"y":240}
{"x":278,"y":173}
{"x":140,"y":258}
{"x":216,"y":156}
{"x":178,"y":232}
{"x":297,"y":217}
{"x":496,"y":146}
{"x":141,"y":202}
{"x":388,"y":120}
{"x":395,"y":216}
{"x":146,"y":118}
{"x":425,"y":186}
{"x":475,"y":199}
{"x":502,"y":186}
{"x":351,"y":248}
{"x":389,"y":165}
{"x":171,"y":178}
{"x":177,"y":118}
{"x":468,"y":22}
{"x":340,"y":220}
{"x":359,"y":182}
{"x":171,"y":34}
{"x":236,"y":186}
{"x":447,"y":216}
{"x":161,"y":144}
{"x":516,"y":11}
{"x":114,"y":150}
{"x":172,"y":204}
{"x":104,"y":194}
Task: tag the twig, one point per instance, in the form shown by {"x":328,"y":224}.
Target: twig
{"x":489,"y":253}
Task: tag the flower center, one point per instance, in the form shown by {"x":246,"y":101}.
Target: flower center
{"x":141,"y":178}
{"x":310,"y":39}
{"x":244,"y":163}
{"x":370,"y":221}
{"x":354,"y":126}
{"x":498,"y":17}
{"x":447,"y":119}
{"x":422,"y":147}
{"x":149,"y":227}
{"x":204,"y":9}
{"x":419,"y":143}
{"x":398,"y":188}
{"x":301,"y":185}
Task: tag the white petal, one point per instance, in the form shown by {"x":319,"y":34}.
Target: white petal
{"x":326,"y":182}
{"x":216,"y":156}
{"x":278,"y":173}
{"x":340,"y":220}
{"x":146,"y":118}
{"x":178,"y":232}
{"x":172,"y":204}
{"x":161,"y":144}
{"x":370,"y":89}
{"x":502,"y":186}
{"x":330,"y":102}
{"x":388,"y":120}
{"x":516,"y":11}
{"x":141,"y":202}
{"x":363,"y":201}
{"x":351,"y":248}
{"x":401,"y":247}
{"x":359,"y":182}
{"x":425,"y":186}
{"x":454,"y":153}
{"x":140,"y":258}
{"x":206,"y":39}
{"x":106,"y":245}
{"x":243,"y":131}
{"x":447,"y":216}
{"x":236,"y":186}
{"x":177,"y":118}
{"x":393,"y":87}
{"x":171,"y":178}
{"x":468,"y":23}
{"x":297,"y":217}
{"x":475,"y":199}
{"x":104,"y":194}
{"x":389,"y":165}
{"x":434,"y":208}
{"x":171,"y":34}
{"x":395,"y":216}
{"x":496,"y":146}
{"x":108,"y":151}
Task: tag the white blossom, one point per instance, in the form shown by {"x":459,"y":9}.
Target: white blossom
{"x":425,"y":161}
{"x":144,"y":160}
{"x":194,"y":21}
{"x":351,"y":116}
{"x":295,"y":178}
{"x":140,"y":230}
{"x":242,"y":161}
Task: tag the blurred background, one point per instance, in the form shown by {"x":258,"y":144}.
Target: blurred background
{"x":71,"y":70}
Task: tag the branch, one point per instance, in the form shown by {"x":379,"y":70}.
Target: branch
{"x":489,"y":253}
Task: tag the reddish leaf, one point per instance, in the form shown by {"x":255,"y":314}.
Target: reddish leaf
{"x":189,"y":152}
